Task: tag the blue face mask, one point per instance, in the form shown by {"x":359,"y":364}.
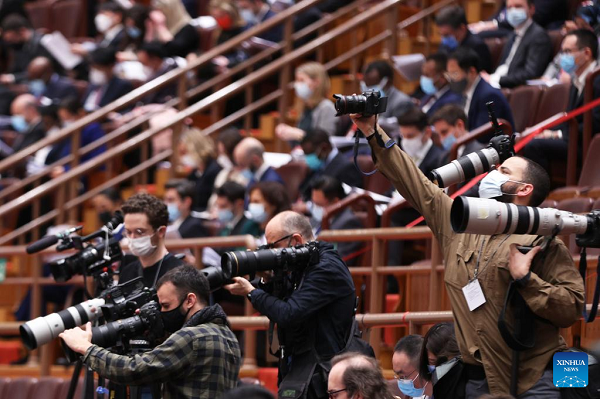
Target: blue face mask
{"x":431,"y":368}
{"x":37,"y":87}
{"x":407,"y":387}
{"x":247,"y":173}
{"x":257,"y":212}
{"x":448,"y":142}
{"x":450,"y":42}
{"x":19,"y":123}
{"x":174,"y":212}
{"x":313,"y":161}
{"x":317,"y":212}
{"x":427,"y":85}
{"x":225,"y":216}
{"x":516,"y":16}
{"x":134,"y":32}
{"x":567,"y":63}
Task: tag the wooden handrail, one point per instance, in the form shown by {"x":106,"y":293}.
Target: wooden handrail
{"x":588,"y":117}
{"x":158,"y":83}
{"x":339,"y":206}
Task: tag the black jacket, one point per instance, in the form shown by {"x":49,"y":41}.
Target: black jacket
{"x":134,"y":269}
{"x":322,"y":306}
{"x":531,"y":59}
{"x":205,"y":183}
{"x":477,"y":44}
{"x":113,"y":90}
{"x":192,"y":227}
{"x":347,"y":220}
{"x":340,"y":168}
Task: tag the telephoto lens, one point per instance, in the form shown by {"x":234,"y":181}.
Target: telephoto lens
{"x":42,"y":330}
{"x":465,"y":168}
{"x":488,"y":216}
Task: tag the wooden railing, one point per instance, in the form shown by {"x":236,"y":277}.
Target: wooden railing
{"x":65,"y":185}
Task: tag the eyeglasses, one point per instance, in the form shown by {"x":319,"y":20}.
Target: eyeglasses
{"x":274,"y":243}
{"x":406,"y":377}
{"x":568,"y":51}
{"x":136,"y":233}
{"x":452,"y":77}
{"x":333,"y":394}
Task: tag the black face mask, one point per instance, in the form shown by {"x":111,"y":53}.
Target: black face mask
{"x":16,"y":45}
{"x":104,"y":217}
{"x":173,"y":319}
{"x":458,"y":86}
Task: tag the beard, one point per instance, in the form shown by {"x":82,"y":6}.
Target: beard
{"x":509,"y":192}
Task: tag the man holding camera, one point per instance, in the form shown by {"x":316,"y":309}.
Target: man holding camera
{"x":201,"y":358}
{"x":145,"y":225}
{"x":479,"y":270}
{"x":315,"y":315}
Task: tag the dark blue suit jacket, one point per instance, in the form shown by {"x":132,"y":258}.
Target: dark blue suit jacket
{"x":271,"y":175}
{"x":60,"y":88}
{"x":276,"y":33}
{"x":478,"y":113}
{"x":449,"y":97}
{"x":114,"y":89}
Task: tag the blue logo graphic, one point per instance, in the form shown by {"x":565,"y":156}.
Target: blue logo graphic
{"x":570,"y":369}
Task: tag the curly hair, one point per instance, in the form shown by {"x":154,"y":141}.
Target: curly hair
{"x":149,"y":205}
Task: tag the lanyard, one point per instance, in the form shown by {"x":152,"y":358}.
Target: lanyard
{"x":476,"y":272}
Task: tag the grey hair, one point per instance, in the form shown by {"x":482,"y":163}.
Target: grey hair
{"x":293,"y":222}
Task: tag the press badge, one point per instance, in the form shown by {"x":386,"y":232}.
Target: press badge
{"x":473,"y":295}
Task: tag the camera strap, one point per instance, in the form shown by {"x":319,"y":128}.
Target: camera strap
{"x":390,"y":143}
{"x":583,"y":271}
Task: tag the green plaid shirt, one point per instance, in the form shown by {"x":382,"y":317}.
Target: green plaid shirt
{"x":198,"y":362}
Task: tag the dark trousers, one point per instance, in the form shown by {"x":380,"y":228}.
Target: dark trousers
{"x":543,"y":389}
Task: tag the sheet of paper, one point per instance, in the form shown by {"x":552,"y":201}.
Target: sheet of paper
{"x":409,"y":65}
{"x":60,"y":48}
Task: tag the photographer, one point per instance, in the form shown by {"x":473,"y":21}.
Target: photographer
{"x":201,"y":358}
{"x":485,"y":266}
{"x":146,"y":219}
{"x":315,"y":317}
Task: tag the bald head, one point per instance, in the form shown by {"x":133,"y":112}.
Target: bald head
{"x":360,"y":376}
{"x":40,"y":68}
{"x":289,"y":223}
{"x":25,"y":105}
{"x":249,"y":153}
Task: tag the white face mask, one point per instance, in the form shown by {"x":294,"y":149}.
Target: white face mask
{"x":257,"y":212}
{"x":142,"y":246}
{"x":302,"y":90}
{"x":103,"y":23}
{"x":189,"y":161}
{"x":97,"y":77}
{"x":317,"y":212}
{"x":491,"y":185}
{"x":412,"y":146}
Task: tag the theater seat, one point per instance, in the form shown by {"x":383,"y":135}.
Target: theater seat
{"x":496,"y":45}
{"x":589,"y":180}
{"x":596,"y":204}
{"x":580,"y":206}
{"x":47,"y":387}
{"x":376,"y":182}
{"x":3,"y":385}
{"x":39,"y":14}
{"x":293,"y":174}
{"x":554,"y":99}
{"x":66,"y":16}
{"x":549,"y":203}
{"x":524,"y":100}
{"x":556,"y":38}
{"x":20,"y":388}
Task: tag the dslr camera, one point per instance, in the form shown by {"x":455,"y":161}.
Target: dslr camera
{"x":368,"y":103}
{"x":90,"y":260}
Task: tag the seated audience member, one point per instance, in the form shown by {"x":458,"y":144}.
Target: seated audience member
{"x":156,"y":63}
{"x":439,"y":347}
{"x":255,"y":12}
{"x":169,"y":24}
{"x":145,"y":225}
{"x":51,"y":125}
{"x":69,"y":111}
{"x":406,"y":365}
{"x":248,"y":156}
{"x":229,"y":208}
{"x":527,"y":51}
{"x":318,"y":112}
{"x":44,"y":82}
{"x":435,"y":86}
{"x":226,"y":141}
{"x":198,"y":153}
{"x":354,"y":375}
{"x":230,"y":23}
{"x":201,"y":358}
{"x":451,"y":22}
{"x":109,"y":25}
{"x":379,"y":76}
{"x":579,"y":52}
{"x":323,"y":159}
{"x":27,"y":121}
{"x":105,"y":87}
{"x":267,"y":199}
{"x":464,"y":77}
{"x":134,"y":20}
{"x":106,"y":203}
{"x":328,"y":191}
{"x":178,"y":197}
{"x":450,"y":123}
{"x":415,"y":140}
{"x":23,"y":44}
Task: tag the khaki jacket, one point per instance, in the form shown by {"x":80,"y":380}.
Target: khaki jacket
{"x":554,"y":293}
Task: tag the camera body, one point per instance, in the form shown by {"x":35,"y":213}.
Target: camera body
{"x":296,"y":258}
{"x":89,"y":260}
{"x":124,"y":299}
{"x":368,"y":103}
{"x":591,"y":237}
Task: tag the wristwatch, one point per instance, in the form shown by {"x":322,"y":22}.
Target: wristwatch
{"x":249,"y":296}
